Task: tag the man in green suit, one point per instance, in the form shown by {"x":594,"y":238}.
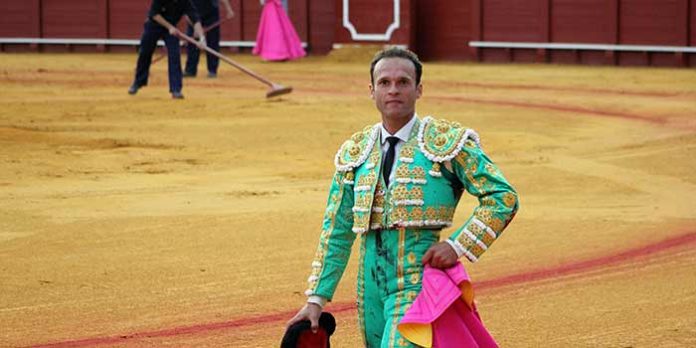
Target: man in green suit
{"x":397,"y":184}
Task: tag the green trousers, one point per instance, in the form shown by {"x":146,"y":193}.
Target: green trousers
{"x":389,"y":279}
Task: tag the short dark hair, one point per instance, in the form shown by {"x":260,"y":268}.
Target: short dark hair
{"x":397,"y":52}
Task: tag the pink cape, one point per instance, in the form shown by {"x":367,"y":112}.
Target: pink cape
{"x":444,"y":315}
{"x":276,"y":38}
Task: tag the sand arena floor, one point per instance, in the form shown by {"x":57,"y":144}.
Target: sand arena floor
{"x":143,"y":221}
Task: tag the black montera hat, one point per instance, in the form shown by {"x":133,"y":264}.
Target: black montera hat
{"x":300,"y":335}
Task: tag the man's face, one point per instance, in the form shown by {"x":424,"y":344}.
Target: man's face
{"x":394,"y":89}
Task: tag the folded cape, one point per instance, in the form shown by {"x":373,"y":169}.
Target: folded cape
{"x":444,"y":315}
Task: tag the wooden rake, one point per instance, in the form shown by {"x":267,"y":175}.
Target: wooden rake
{"x":182,"y":43}
{"x":275,"y":89}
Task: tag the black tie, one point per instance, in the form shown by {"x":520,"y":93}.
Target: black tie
{"x":389,"y":159}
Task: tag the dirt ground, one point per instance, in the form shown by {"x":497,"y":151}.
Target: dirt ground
{"x":141,"y":221}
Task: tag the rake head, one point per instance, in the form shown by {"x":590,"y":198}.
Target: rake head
{"x":277,"y":90}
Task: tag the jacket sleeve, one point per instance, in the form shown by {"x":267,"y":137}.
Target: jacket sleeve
{"x":336,"y":238}
{"x":498,"y":201}
{"x":191,"y":11}
{"x":155,"y":8}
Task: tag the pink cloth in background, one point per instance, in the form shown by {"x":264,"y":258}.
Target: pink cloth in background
{"x":446,"y":304}
{"x":276,"y":38}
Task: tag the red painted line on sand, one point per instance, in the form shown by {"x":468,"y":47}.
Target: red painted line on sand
{"x":520,"y":104}
{"x":573,"y":89}
{"x":673,"y":243}
{"x":561,"y":108}
{"x":279,"y":317}
{"x":589,"y":265}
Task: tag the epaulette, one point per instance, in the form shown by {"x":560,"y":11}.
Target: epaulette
{"x":355,"y":150}
{"x":442,"y":140}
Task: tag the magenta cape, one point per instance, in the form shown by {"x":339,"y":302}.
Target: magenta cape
{"x":276,"y":38}
{"x":444,"y":315}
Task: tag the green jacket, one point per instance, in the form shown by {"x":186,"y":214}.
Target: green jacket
{"x":440,"y":160}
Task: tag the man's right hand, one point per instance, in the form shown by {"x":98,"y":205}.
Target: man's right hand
{"x":311,"y":312}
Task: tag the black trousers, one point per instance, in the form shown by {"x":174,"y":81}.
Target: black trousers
{"x":148,"y":42}
{"x":212,"y":38}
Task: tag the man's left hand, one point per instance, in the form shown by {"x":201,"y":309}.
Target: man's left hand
{"x":198,"y":31}
{"x":441,"y":255}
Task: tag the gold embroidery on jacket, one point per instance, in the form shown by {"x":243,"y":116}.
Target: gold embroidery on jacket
{"x":509,"y":199}
{"x":416,"y":214}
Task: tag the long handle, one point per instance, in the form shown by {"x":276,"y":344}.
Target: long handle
{"x":183,"y":43}
{"x":215,"y":25}
{"x":275,"y":88}
{"x":229,"y":61}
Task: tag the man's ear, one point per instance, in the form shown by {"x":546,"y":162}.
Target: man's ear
{"x":372,"y":91}
{"x":419,"y":90}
